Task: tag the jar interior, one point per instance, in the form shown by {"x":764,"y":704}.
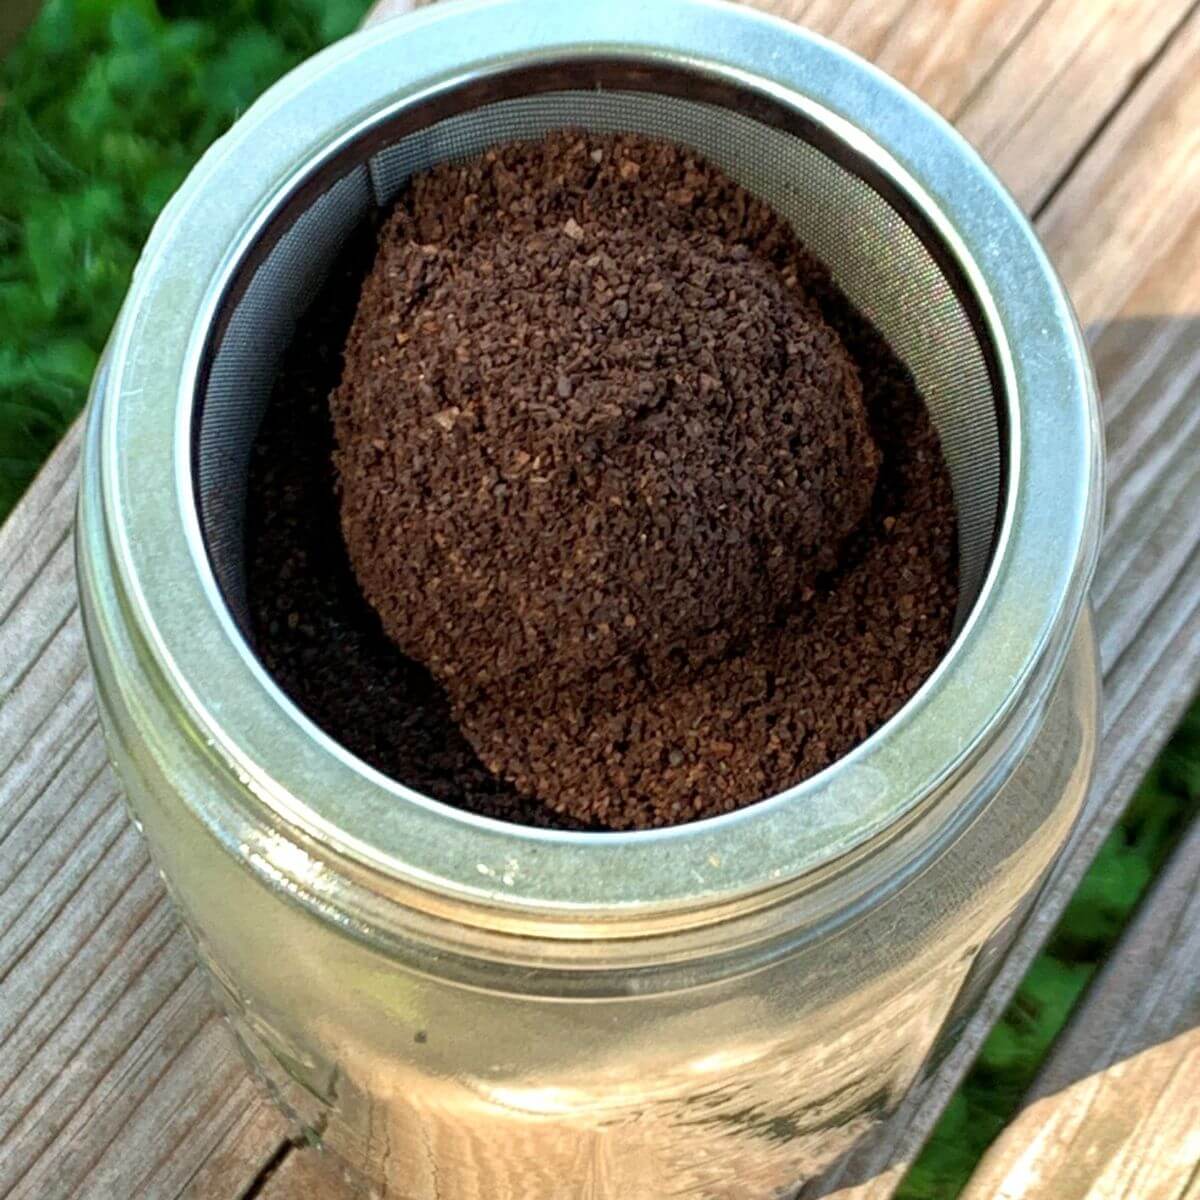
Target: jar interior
{"x":883,"y":253}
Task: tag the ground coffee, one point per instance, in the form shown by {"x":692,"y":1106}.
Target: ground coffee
{"x":730,"y":696}
{"x":310,"y":625}
{"x":591,"y":431}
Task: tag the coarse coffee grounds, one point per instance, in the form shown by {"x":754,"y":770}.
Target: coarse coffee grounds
{"x":742,"y":719}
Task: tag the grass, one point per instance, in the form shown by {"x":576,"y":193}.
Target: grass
{"x":104,"y":106}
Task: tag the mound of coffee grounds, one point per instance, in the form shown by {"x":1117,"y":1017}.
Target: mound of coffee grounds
{"x":591,"y":431}
{"x":310,"y":625}
{"x":726,"y":719}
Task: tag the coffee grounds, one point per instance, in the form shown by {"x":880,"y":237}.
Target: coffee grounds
{"x":741,"y":720}
{"x":592,"y":433}
{"x":310,"y":625}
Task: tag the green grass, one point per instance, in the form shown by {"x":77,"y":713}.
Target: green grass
{"x":104,"y":106}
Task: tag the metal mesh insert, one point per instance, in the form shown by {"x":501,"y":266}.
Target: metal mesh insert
{"x":879,"y":260}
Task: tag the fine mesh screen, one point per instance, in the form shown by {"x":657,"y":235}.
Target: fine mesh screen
{"x":879,"y":261}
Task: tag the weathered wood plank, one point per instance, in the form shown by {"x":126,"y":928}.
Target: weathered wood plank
{"x":155,"y":1102}
{"x":254,"y":1138}
{"x":32,"y":532}
{"x":942,"y":51}
{"x":1134,"y":196}
{"x":1115,"y":1111}
{"x":1064,"y":76}
{"x":310,"y":1173}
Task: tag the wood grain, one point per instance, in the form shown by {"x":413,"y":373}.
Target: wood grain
{"x":1061,"y":81}
{"x":943,"y":51}
{"x":1135,"y":197}
{"x":311,"y":1173}
{"x":250,"y":1144}
{"x":116,"y":1079}
{"x":1115,"y":1111}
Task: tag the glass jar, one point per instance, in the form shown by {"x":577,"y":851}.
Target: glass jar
{"x":464,"y":1008}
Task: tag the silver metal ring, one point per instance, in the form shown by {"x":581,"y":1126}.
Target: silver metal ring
{"x":1010,"y":651}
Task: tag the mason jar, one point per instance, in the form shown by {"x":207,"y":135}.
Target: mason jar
{"x":462,"y":1008}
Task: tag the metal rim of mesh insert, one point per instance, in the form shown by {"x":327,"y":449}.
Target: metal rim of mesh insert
{"x":385,"y":84}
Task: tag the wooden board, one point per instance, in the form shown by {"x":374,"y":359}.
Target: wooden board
{"x":116,"y":1080}
{"x":1068,"y":74}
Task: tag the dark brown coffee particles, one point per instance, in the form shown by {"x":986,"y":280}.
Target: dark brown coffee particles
{"x":609,"y":445}
{"x":591,"y":432}
{"x":310,"y":624}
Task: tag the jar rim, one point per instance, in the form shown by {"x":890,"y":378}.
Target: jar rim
{"x":1020,"y":627}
